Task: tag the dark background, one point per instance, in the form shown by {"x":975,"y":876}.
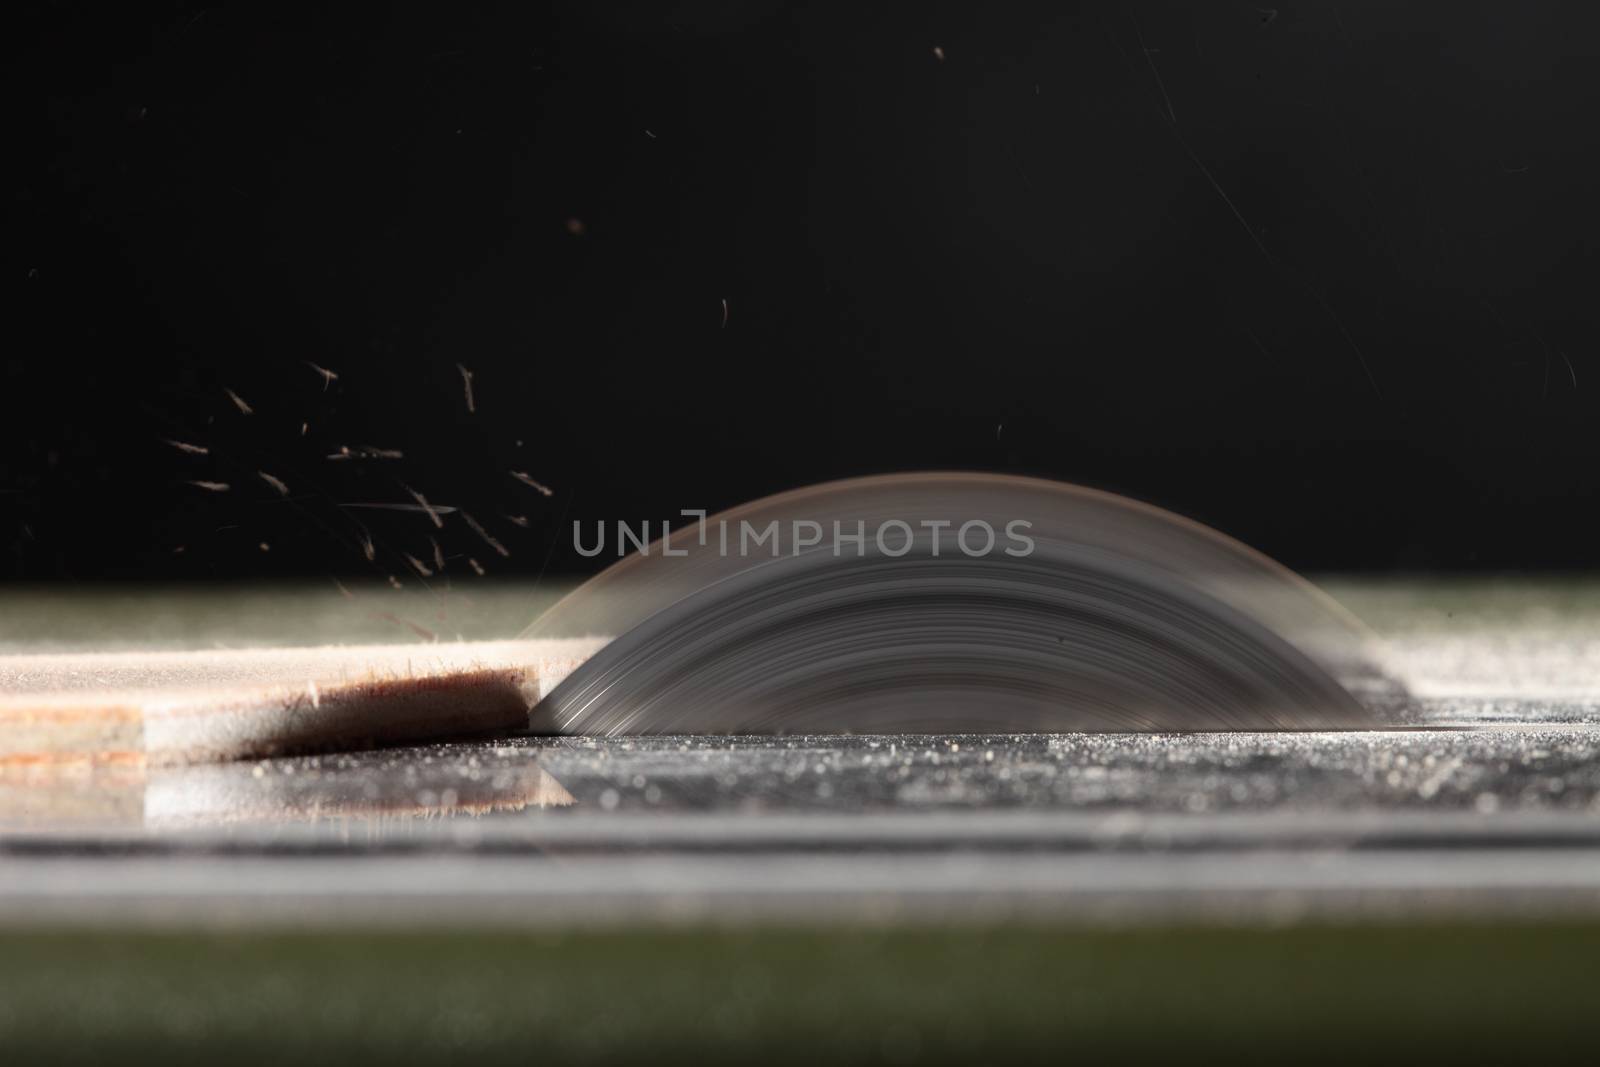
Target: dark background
{"x":1320,"y":276}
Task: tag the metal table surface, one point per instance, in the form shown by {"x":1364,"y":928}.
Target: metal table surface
{"x":1486,"y":800}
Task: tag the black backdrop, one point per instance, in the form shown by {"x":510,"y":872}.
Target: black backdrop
{"x":1320,"y":276}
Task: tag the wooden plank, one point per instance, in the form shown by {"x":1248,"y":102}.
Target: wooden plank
{"x":198,"y":706}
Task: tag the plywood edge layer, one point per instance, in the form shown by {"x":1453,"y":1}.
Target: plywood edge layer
{"x":180,"y":707}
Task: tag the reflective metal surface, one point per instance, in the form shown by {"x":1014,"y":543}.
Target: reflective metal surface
{"x":545,"y":830}
{"x":1487,"y":800}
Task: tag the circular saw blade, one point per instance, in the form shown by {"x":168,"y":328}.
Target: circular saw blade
{"x":1084,"y":611}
